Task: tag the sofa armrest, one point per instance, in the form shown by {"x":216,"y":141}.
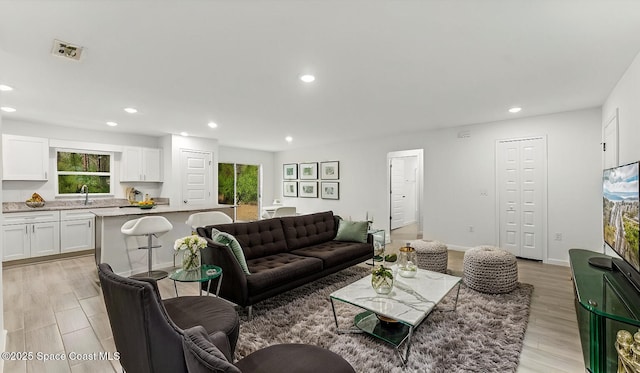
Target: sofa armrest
{"x":234,"y":280}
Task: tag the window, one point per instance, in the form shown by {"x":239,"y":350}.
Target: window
{"x":75,"y":169}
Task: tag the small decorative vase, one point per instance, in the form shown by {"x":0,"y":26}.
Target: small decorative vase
{"x":191,"y":261}
{"x":382,"y":280}
{"x":407,"y":261}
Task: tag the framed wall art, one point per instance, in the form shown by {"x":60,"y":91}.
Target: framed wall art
{"x":330,"y":170}
{"x":290,"y":189}
{"x":309,"y":189}
{"x":330,"y":190}
{"x":309,"y":171}
{"x":290,"y":171}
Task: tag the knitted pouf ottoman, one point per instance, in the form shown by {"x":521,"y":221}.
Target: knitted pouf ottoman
{"x":490,"y":270}
{"x":432,"y":255}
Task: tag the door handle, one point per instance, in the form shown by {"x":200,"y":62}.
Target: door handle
{"x":185,"y":201}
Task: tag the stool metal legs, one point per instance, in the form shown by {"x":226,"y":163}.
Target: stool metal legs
{"x":156,"y":275}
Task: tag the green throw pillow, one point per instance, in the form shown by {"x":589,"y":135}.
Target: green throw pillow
{"x":228,"y":240}
{"x":355,"y":231}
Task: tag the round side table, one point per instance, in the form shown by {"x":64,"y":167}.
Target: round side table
{"x":207,"y":272}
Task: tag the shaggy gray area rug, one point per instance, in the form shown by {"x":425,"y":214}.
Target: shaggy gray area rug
{"x":484,"y":334}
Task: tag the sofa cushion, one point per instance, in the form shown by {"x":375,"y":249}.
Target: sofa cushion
{"x":275,"y":270}
{"x":308,"y":230}
{"x":334,"y":253}
{"x":228,"y":240}
{"x":352,"y":231}
{"x":258,"y":238}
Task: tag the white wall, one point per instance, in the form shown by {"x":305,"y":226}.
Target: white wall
{"x":456,"y":170}
{"x":3,"y":332}
{"x":626,"y":96}
{"x":254,"y":157}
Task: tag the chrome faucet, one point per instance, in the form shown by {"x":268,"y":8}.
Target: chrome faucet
{"x":85,"y":189}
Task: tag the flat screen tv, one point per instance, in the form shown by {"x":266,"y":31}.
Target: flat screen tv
{"x":620,"y":190}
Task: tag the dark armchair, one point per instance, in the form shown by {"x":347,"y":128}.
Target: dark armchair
{"x":147,"y":331}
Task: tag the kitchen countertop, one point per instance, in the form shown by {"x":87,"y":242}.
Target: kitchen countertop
{"x":8,"y":207}
{"x":158,"y":209}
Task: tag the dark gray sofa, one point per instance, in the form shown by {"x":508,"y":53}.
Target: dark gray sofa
{"x":282,"y":254}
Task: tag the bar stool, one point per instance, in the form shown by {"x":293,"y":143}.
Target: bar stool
{"x":201,"y":219}
{"x":148,"y":226}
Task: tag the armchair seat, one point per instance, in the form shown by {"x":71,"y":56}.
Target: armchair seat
{"x":214,"y":314}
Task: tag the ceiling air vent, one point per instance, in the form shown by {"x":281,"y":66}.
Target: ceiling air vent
{"x":67,"y":50}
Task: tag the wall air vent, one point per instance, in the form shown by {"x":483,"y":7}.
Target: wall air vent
{"x":67,"y":50}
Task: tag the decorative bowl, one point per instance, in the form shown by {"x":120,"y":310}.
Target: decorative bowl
{"x":147,"y":207}
{"x":34,"y":204}
{"x":386,"y":320}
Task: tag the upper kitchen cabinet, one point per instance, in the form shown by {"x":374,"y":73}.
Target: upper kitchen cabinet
{"x":141,"y":164}
{"x":25,"y":158}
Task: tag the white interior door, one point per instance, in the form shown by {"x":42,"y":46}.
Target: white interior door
{"x":196,"y":176}
{"x":398,"y":193}
{"x":522,"y":196}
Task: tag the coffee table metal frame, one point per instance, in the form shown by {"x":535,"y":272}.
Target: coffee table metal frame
{"x":410,"y":302}
{"x":204,"y":274}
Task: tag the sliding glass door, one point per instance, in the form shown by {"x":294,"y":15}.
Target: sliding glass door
{"x":239,"y":184}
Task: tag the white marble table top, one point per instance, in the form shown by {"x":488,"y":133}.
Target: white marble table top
{"x":410,"y":301}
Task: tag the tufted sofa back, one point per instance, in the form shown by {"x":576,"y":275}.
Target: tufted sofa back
{"x":308,"y":230}
{"x":257,"y":238}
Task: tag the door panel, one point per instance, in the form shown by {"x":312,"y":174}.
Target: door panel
{"x":196,"y":176}
{"x":397,"y":193}
{"x":521,"y":181}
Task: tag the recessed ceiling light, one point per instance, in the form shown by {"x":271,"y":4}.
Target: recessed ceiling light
{"x":288,"y":139}
{"x":112,"y":124}
{"x":515,"y":109}
{"x":184,"y":134}
{"x":212,"y":125}
{"x":5,"y":88}
{"x":7,"y":109}
{"x":130,"y":110}
{"x":307,"y":78}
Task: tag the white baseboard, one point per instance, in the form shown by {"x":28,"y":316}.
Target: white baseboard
{"x":557,"y":262}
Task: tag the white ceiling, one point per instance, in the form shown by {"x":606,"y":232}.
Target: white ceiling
{"x":381,"y":66}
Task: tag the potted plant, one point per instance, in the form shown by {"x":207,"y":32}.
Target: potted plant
{"x":382,"y":279}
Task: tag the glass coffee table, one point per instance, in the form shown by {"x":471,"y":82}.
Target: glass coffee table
{"x":395,"y":316}
{"x":207,"y":272}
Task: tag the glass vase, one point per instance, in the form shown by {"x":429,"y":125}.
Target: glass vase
{"x":382,"y":283}
{"x":191,"y":260}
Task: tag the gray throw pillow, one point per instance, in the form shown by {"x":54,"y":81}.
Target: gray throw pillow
{"x":201,"y":355}
{"x":228,"y":240}
{"x":355,"y":231}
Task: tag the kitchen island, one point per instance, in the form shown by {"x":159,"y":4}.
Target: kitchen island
{"x":121,"y":252}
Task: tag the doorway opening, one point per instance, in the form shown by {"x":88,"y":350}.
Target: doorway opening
{"x":405,"y":183}
{"x":239,"y":184}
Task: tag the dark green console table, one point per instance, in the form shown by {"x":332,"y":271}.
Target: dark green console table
{"x":605,"y":302}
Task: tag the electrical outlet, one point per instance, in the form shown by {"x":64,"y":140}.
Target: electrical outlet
{"x":558,"y":236}
{"x":471,"y":228}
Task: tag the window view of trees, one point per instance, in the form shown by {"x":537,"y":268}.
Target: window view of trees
{"x":78,"y":169}
{"x":238,"y":184}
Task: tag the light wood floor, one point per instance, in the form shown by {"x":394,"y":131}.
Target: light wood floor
{"x":57,"y":307}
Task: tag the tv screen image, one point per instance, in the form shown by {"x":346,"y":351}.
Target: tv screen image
{"x":620,"y":191}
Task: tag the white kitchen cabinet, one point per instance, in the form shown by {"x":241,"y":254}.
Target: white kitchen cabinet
{"x":77,"y":230}
{"x":30,"y":234}
{"x":25,"y":158}
{"x":141,"y":164}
